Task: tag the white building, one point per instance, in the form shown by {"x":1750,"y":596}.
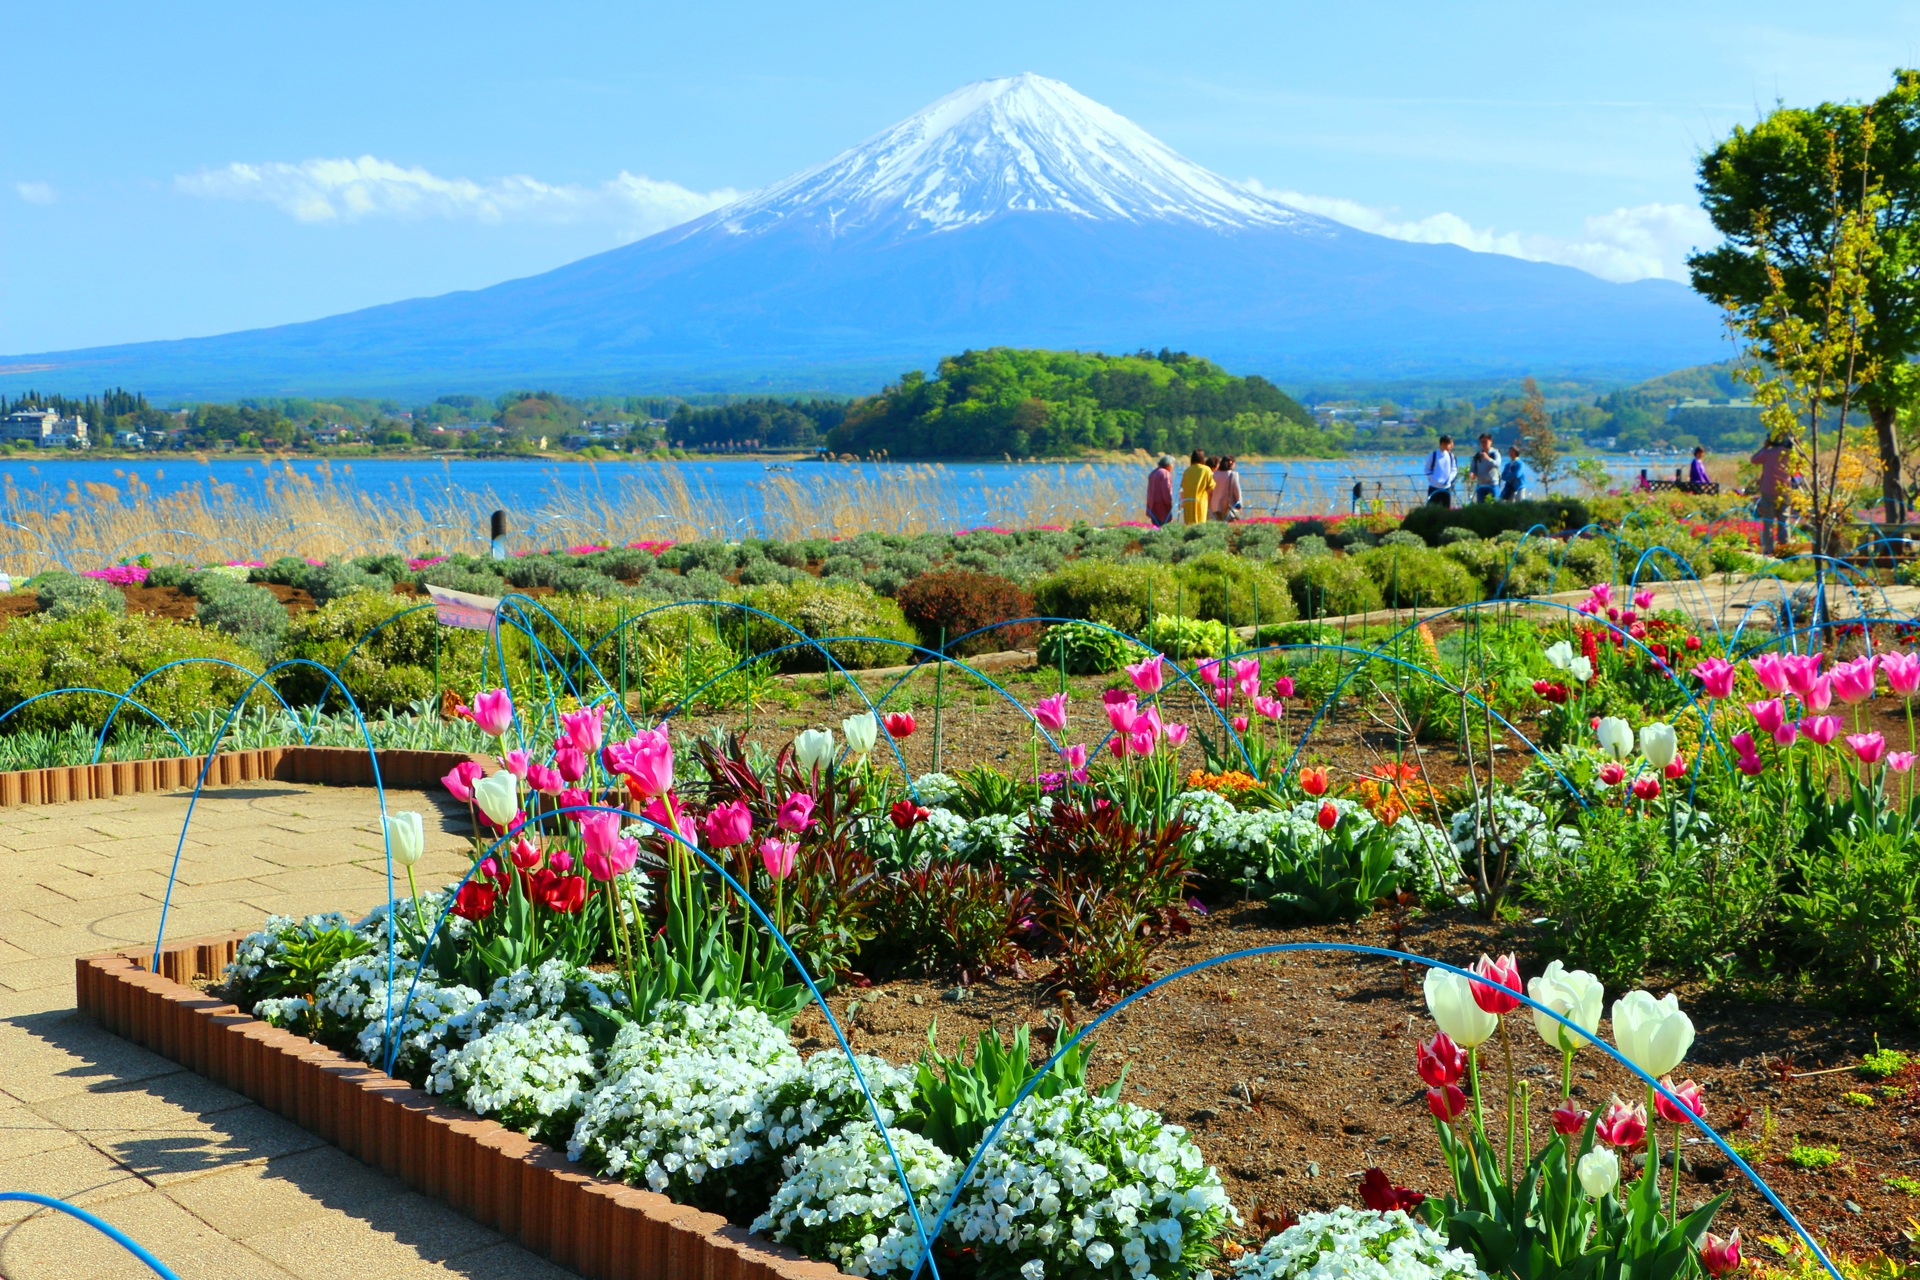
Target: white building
{"x":45,"y":428}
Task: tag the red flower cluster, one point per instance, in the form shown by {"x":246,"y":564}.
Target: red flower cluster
{"x":1552,"y":690}
{"x":1378,"y":1193}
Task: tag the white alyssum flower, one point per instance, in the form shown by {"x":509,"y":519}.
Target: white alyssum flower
{"x":679,"y":1099}
{"x":1508,"y":822}
{"x":526,"y":1073}
{"x":824,"y":1096}
{"x":935,"y":789}
{"x":842,"y":1202}
{"x":989,"y":837}
{"x":1228,"y":840}
{"x":1077,"y":1171}
{"x":1357,"y":1244}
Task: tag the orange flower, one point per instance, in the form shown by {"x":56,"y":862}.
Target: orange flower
{"x":1313,"y":782}
{"x":1231,"y":781}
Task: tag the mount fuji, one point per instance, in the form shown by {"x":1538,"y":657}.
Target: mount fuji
{"x":1012,"y":212}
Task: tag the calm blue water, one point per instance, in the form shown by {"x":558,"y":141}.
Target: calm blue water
{"x":966,"y":493}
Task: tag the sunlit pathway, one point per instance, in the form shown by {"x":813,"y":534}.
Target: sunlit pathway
{"x":211,"y":1183}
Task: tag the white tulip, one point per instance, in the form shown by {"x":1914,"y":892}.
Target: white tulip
{"x":1599,"y":1172}
{"x":861,"y":732}
{"x":498,"y":796}
{"x":1659,"y":744}
{"x":1575,"y":995}
{"x":1560,"y":655}
{"x":813,"y":748}
{"x":1654,"y":1035}
{"x":1580,"y":669}
{"x":1615,"y":736}
{"x":1450,"y":1001}
{"x":406,"y":837}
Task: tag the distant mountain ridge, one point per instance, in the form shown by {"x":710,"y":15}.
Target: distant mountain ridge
{"x":1013,"y":212}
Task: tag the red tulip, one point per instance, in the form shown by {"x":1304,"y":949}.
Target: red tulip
{"x":1611,"y":773}
{"x":1568,"y":1119}
{"x":1646,"y":787}
{"x":1676,"y":768}
{"x":1621,"y":1125}
{"x":1313,"y":781}
{"x":525,"y":854}
{"x":1446,"y":1102}
{"x":905,"y":814}
{"x":1440,"y":1061}
{"x":1720,"y":1256}
{"x":1497,"y":994}
{"x":1378,"y":1193}
{"x":1328,"y":817}
{"x":564,"y":894}
{"x":1691,"y":1103}
{"x":474,"y":901}
{"x":900,"y":724}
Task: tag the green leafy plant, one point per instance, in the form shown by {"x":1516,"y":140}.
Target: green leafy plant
{"x":1857,"y":1099}
{"x":65,"y":595}
{"x":1084,"y":649}
{"x":1342,"y":878}
{"x":1882,"y":1063}
{"x":1803,"y":1156}
{"x":1187,"y":637}
{"x":1330,"y":586}
{"x":957,"y":1098}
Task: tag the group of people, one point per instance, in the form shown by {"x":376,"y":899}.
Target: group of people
{"x":1209,"y":489}
{"x":1492,"y":476}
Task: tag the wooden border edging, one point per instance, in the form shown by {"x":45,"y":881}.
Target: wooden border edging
{"x":530,"y":1193}
{"x":341,"y":766}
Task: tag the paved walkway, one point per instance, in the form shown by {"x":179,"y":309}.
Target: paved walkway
{"x":215,"y":1186}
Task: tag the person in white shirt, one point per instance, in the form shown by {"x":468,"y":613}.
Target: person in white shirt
{"x":1441,"y":470}
{"x":1486,"y":469}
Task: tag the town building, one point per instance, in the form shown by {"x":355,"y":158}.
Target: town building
{"x":45,"y":429}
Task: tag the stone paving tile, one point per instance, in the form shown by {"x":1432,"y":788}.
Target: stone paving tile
{"x":216,"y":1186}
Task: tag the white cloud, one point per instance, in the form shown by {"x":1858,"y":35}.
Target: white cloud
{"x":1627,"y":244}
{"x":351,"y":190}
{"x":36,"y":192}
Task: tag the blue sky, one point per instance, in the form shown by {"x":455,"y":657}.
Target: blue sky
{"x":169,"y":171}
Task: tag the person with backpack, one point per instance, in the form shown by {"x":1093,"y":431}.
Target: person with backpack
{"x":1440,"y":473}
{"x":1486,"y":469}
{"x":1512,"y":479}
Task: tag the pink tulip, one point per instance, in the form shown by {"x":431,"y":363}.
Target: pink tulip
{"x":1716,"y":676}
{"x":778,"y":856}
{"x":1283,"y":687}
{"x":646,"y":760}
{"x":1147,"y":675}
{"x":1140,"y":741}
{"x":1239,"y":724}
{"x":604,"y":853}
{"x":515,"y":763}
{"x":1750,"y":764}
{"x":1742,"y":742}
{"x":1770,"y":672}
{"x":796,"y":812}
{"x":570,"y":762}
{"x":1691,"y":1103}
{"x":493,"y":712}
{"x":1768,"y":716}
{"x":1122,"y":715}
{"x":1149,"y":721}
{"x":1643,"y":599}
{"x":1719,"y":1256}
{"x":728,"y":825}
{"x":1821,"y":729}
{"x":1176,"y":735}
{"x":1110,"y":696}
{"x":490,"y":868}
{"x":1621,"y":1125}
{"x":1076,"y":755}
{"x":585,"y":728}
{"x":1051,"y":713}
{"x":460,"y":781}
{"x":1787,"y":734}
{"x":560,"y":860}
{"x":1902,"y":671}
{"x":1271,"y":708}
{"x":1497,"y":994}
{"x":1802,"y":670}
{"x":1870,"y":747}
{"x":1853,"y":681}
{"x":1676,"y":768}
{"x":572,"y":798}
{"x":1601,"y":594}
{"x":524,"y":854}
{"x":544,"y":780}
{"x":1818,"y":695}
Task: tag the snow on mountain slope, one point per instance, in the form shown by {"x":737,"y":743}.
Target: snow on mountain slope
{"x":1018,"y":144}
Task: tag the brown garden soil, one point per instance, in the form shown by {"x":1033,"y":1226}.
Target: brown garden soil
{"x":1295,"y":1072}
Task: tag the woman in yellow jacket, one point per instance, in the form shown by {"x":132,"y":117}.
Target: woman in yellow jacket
{"x":1196,"y":489}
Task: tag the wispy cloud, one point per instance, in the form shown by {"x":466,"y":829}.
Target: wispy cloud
{"x":1649,"y":240}
{"x":345,"y":190}
{"x":36,"y":192}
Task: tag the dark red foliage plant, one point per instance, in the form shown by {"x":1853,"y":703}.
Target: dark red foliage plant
{"x":961,"y":600}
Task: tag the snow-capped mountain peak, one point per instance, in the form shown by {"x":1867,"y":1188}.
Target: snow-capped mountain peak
{"x":1020,"y":144}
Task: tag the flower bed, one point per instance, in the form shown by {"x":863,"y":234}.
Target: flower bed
{"x":339,"y":766}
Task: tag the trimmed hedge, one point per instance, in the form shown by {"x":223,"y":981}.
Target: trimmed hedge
{"x":1328,"y":586}
{"x":821,"y":609}
{"x":1489,"y":519}
{"x":1418,"y":578}
{"x":43,"y":652}
{"x":1226,"y":588}
{"x":1112,"y":594}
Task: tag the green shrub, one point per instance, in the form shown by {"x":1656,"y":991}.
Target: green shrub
{"x":65,"y":595}
{"x":1114,"y":595}
{"x":1085,"y":649}
{"x":821,"y":609}
{"x":252,"y":615}
{"x":288,"y":571}
{"x":43,"y":652}
{"x":1226,"y":588}
{"x":956,"y":601}
{"x":1328,"y":586}
{"x":1187,"y":637}
{"x":1855,"y":922}
{"x":393,"y":668}
{"x":1557,"y":515}
{"x":1416,"y":578}
{"x":459,"y":577}
{"x":329,"y":582}
{"x":169,"y":575}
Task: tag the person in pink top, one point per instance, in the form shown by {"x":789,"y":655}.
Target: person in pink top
{"x":1225,"y":503}
{"x":1160,"y":491}
{"x":1774,"y":459}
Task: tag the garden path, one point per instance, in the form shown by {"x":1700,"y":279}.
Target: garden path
{"x":214,"y":1185}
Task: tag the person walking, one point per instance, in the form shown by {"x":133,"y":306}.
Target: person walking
{"x":1225,"y":504}
{"x":1359,"y":488}
{"x":1196,"y":489}
{"x":1773,"y":459}
{"x":1441,"y":470}
{"x":1698,"y":481}
{"x":1485,"y":466}
{"x":1512,"y":479}
{"x":1160,"y":491}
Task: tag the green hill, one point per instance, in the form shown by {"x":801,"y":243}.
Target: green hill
{"x":1025,"y":402}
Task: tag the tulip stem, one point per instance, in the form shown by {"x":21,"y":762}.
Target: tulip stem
{"x":1566,"y":1074}
{"x":418,"y":919}
{"x":1479,"y":1110}
{"x":1673,"y":1208}
{"x":1506,"y":1045}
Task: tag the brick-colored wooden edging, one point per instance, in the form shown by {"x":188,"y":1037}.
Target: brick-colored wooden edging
{"x":528,"y":1192}
{"x":342,"y":766}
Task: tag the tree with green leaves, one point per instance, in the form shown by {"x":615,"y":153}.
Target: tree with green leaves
{"x":1534,"y":438}
{"x":1770,"y":191}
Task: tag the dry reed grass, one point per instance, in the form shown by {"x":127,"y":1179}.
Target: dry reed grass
{"x":326,"y":516}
